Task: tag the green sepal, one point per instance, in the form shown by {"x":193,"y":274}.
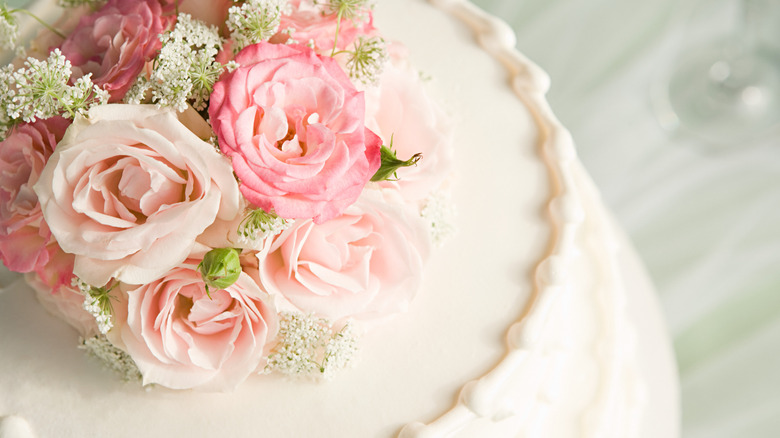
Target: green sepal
{"x":391,"y":164}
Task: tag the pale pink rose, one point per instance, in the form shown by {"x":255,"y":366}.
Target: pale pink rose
{"x":180,"y":338}
{"x":399,"y":109}
{"x":293,"y":125}
{"x":365,"y":264}
{"x":65,"y":303}
{"x":316,"y":24}
{"x":26,"y":244}
{"x":115,"y":43}
{"x":130,"y":187}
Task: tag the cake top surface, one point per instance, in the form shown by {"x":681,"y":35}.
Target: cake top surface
{"x":496,"y":307}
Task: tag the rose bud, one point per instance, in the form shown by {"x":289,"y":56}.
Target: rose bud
{"x":220,"y":268}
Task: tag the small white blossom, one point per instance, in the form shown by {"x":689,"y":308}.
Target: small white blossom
{"x":259,"y":224}
{"x":137,"y":94}
{"x":9,"y":29}
{"x":308,"y":346}
{"x":115,"y":359}
{"x":186,"y":68}
{"x":255,"y":21}
{"x":97,"y":301}
{"x":355,"y":10}
{"x":340,"y":351}
{"x":40,"y":90}
{"x":439,"y":213}
{"x":367,"y":61}
{"x":40,"y":86}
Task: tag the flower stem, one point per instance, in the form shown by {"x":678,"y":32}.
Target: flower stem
{"x":45,"y":24}
{"x":338,"y":29}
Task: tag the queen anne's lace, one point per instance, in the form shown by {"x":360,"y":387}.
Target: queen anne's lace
{"x":40,"y":90}
{"x":9,"y":30}
{"x":308,"y":346}
{"x":186,"y":68}
{"x":254,"y":21}
{"x":259,"y":224}
{"x":367,"y":61}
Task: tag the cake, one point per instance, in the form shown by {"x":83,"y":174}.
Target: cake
{"x":536,"y":319}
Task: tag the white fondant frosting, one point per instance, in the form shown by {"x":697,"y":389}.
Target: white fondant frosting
{"x":525,"y":325}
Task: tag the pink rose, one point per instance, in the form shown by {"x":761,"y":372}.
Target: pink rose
{"x":130,"y":187}
{"x":316,"y":24}
{"x":26,"y":244}
{"x":365,"y":264}
{"x":180,"y":338}
{"x":401,"y":110}
{"x":292,"y":123}
{"x":115,"y":43}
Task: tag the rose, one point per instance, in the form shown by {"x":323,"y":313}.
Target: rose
{"x":115,"y":43}
{"x":130,"y":187}
{"x":292,"y":123}
{"x":26,"y":244}
{"x":314,"y":24}
{"x":181,"y":338}
{"x":365,"y":264}
{"x":400,"y":110}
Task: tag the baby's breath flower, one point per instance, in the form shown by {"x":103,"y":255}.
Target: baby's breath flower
{"x":40,"y":87}
{"x":9,"y":29}
{"x":6,"y":98}
{"x":186,"y":68}
{"x":254,"y":21}
{"x":115,"y":359}
{"x":40,"y":90}
{"x":97,"y":301}
{"x":355,"y":10}
{"x":138,"y":92}
{"x":259,"y":224}
{"x":439,"y":213}
{"x":367,"y":61}
{"x":308,"y":347}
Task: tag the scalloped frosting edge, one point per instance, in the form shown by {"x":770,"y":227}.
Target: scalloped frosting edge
{"x":494,"y":396}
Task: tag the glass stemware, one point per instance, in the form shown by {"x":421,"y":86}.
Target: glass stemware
{"x":723,"y":87}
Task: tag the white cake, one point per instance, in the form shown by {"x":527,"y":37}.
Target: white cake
{"x":535,"y":320}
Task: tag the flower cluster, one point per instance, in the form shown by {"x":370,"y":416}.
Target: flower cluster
{"x":210,"y":189}
{"x":310,"y":346}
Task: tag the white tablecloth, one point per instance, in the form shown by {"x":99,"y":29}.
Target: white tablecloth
{"x":707,"y":224}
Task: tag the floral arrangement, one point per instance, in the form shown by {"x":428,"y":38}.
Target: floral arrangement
{"x":210,"y":189}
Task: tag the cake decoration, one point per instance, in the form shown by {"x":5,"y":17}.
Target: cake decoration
{"x":221,"y":184}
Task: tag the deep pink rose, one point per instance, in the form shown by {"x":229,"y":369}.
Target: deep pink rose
{"x":293,"y":124}
{"x":317,"y":25}
{"x":365,"y":264}
{"x":26,"y":244}
{"x":180,"y":338}
{"x":399,"y":109}
{"x":115,"y":43}
{"x":130,"y":187}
